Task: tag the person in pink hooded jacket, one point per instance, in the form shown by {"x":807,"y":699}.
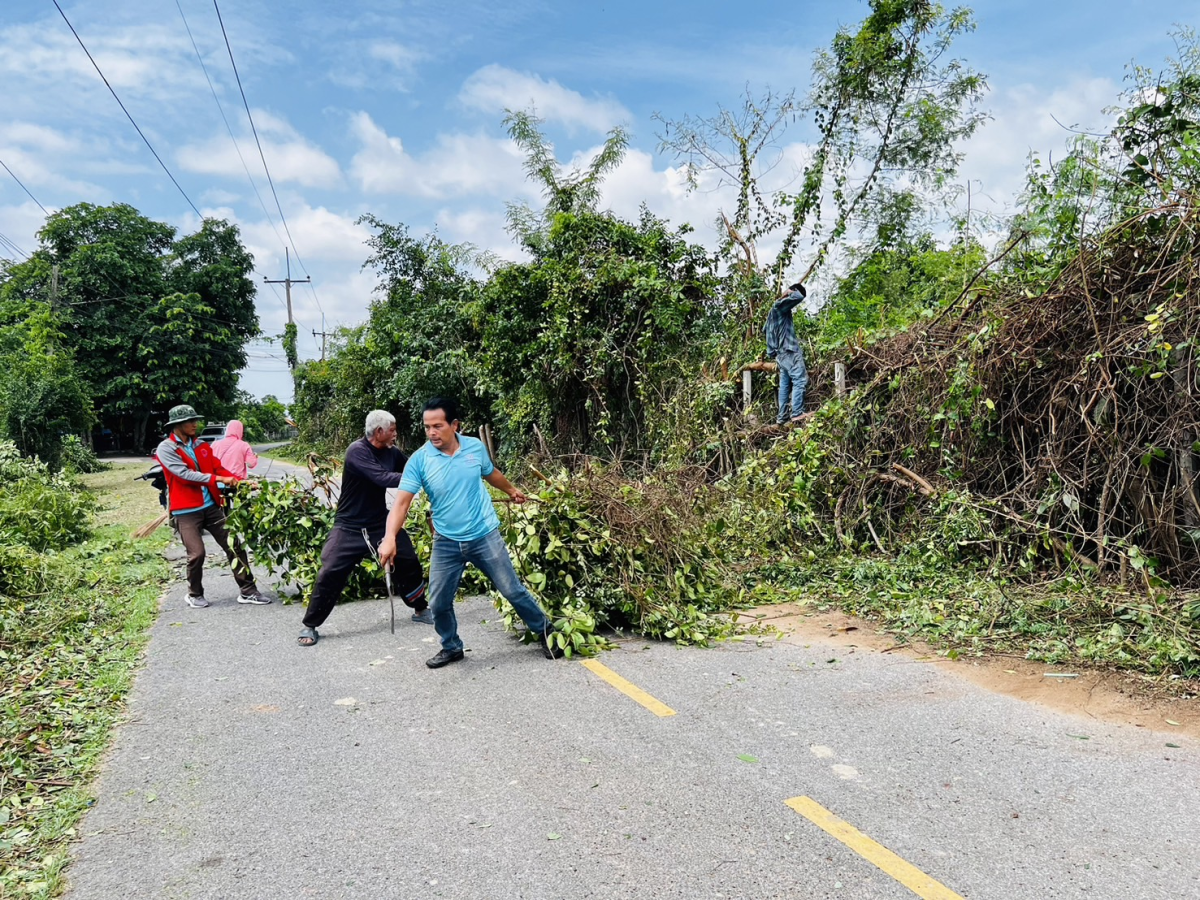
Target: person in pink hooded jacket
{"x":233,"y":452}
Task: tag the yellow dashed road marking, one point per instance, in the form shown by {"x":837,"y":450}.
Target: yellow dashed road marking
{"x":905,"y":873}
{"x":629,"y":690}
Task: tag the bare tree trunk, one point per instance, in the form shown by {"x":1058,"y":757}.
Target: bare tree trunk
{"x":139,"y":430}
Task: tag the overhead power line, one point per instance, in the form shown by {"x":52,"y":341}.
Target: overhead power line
{"x":225,"y":119}
{"x":25,"y":189}
{"x":124,"y":110}
{"x":253,"y":127}
{"x":263,"y":157}
{"x":8,"y":242}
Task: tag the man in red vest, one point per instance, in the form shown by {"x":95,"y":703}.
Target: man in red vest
{"x":194,"y":478}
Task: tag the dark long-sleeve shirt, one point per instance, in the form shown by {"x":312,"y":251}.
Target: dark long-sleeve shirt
{"x":369,"y":472}
{"x":780,"y":330}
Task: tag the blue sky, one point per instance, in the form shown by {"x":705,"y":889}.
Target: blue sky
{"x":395,"y":108}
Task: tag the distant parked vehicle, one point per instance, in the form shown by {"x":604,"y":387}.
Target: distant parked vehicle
{"x":212,"y":433}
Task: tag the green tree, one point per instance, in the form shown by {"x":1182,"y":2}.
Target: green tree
{"x":151,"y":320}
{"x":1149,"y":163}
{"x":260,"y":418}
{"x":886,"y":105}
{"x":421,"y":325}
{"x":583,"y":340}
{"x":42,"y":396}
{"x":566,"y":190}
{"x":900,"y":276}
{"x":418,"y":342}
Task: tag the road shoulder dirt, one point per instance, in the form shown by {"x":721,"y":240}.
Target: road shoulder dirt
{"x":1105,"y":695}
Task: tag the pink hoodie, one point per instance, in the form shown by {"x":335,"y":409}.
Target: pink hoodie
{"x":234,"y":453}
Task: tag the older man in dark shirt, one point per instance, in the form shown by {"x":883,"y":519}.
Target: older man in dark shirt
{"x":784,"y":348}
{"x":373,"y":464}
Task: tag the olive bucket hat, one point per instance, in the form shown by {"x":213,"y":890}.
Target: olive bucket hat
{"x":182,"y":413}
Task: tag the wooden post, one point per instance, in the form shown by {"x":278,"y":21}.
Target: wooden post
{"x":839,"y":378}
{"x":747,"y":390}
{"x":1181,"y":375}
{"x":287,"y":284}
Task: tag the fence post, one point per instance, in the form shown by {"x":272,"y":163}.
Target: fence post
{"x":747,"y":390}
{"x":1182,"y":376}
{"x":839,"y":378}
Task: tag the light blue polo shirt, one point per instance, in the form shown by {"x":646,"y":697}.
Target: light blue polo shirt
{"x":462,"y":507}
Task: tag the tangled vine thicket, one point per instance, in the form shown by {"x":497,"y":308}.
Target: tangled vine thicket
{"x":1075,"y":411}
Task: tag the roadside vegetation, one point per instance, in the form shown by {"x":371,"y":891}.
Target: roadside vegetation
{"x":77,"y":596}
{"x":1011,"y":467}
{"x":1013,"y":463}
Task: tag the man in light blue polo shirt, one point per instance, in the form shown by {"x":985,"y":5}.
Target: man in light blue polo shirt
{"x":451,"y":469}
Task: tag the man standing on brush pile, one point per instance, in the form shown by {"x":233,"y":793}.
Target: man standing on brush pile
{"x":451,"y":469}
{"x":784,"y":348}
{"x":373,"y":464}
{"x":194,"y":478}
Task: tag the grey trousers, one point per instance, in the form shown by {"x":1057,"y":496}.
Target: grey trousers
{"x":212,"y":520}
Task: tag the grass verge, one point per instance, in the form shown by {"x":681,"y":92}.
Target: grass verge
{"x":67,"y":659}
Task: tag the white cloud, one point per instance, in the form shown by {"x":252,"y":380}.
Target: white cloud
{"x":39,"y":136}
{"x":37,"y":169}
{"x":666,"y":193}
{"x":458,"y":164}
{"x":377,"y":64}
{"x":484,"y":229}
{"x":495,"y":88}
{"x":218,"y":197}
{"x":321,"y":235}
{"x":402,"y":59}
{"x":21,"y":223}
{"x":291,"y":156}
{"x":1027,"y":120}
{"x":146,"y":61}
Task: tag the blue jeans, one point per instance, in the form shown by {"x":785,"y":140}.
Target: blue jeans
{"x":490,"y":556}
{"x":793,"y":379}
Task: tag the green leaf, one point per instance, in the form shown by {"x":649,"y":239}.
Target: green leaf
{"x":747,"y":758}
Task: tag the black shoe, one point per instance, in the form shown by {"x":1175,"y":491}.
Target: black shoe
{"x":548,"y":650}
{"x":444,"y":658}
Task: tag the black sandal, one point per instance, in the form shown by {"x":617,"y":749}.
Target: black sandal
{"x":308,"y":637}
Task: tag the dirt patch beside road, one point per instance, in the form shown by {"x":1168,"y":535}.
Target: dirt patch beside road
{"x":1105,"y":695}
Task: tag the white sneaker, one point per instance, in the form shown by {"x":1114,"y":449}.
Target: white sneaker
{"x":196,"y":602}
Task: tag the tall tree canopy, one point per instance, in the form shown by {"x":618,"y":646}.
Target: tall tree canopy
{"x":418,"y":342}
{"x":150,"y":319}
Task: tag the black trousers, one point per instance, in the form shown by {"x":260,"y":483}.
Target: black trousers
{"x":342,"y":553}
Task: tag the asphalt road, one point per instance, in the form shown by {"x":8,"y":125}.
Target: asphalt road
{"x":252,"y":768}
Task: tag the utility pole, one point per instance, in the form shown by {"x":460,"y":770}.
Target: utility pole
{"x":323,"y":334}
{"x":288,"y":282}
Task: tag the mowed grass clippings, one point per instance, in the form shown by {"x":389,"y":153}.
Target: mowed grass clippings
{"x":67,"y":659}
